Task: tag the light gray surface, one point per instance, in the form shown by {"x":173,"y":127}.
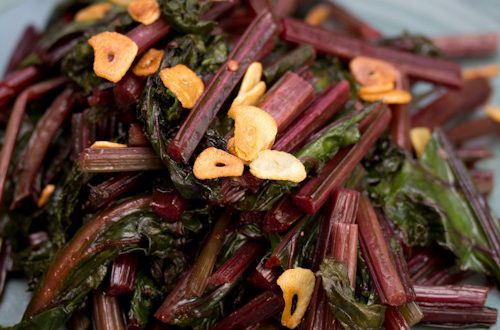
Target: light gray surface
{"x":390,"y":16}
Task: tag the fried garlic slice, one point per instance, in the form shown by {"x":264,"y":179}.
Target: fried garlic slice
{"x":251,"y":89}
{"x":144,"y":11}
{"x":382,"y":88}
{"x":107,"y":144}
{"x":214,"y":163}
{"x":184,"y":83}
{"x":493,"y":112}
{"x":370,"y":71}
{"x":419,"y":137}
{"x":114,"y":53}
{"x":254,"y":131}
{"x":278,"y":165}
{"x":45,"y":195}
{"x":93,"y":12}
{"x":317,"y":15}
{"x":297,"y":282}
{"x":394,"y":96}
{"x":149,"y":63}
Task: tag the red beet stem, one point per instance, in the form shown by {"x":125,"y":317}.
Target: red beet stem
{"x":136,"y":136}
{"x":16,"y":81}
{"x":470,"y":154}
{"x":169,"y":306}
{"x":314,"y":117}
{"x":287,"y":99}
{"x":473,"y":129}
{"x":473,"y":45}
{"x":472,"y":295}
{"x":146,"y":36}
{"x":334,"y":43}
{"x":281,"y":249}
{"x":201,"y":116}
{"x":259,"y":309}
{"x":205,"y":262}
{"x":128,"y":159}
{"x":109,"y":190}
{"x":219,"y":8}
{"x":400,"y":123}
{"x":24,"y":47}
{"x":169,"y":204}
{"x":352,"y":23}
{"x":394,"y":320}
{"x":452,"y":316}
{"x":282,"y":216}
{"x":15,"y":120}
{"x":106,"y":312}
{"x":314,"y":193}
{"x":128,"y":91}
{"x":123,"y":275}
{"x":345,"y":247}
{"x":234,"y":267}
{"x":264,"y":278}
{"x":40,"y":141}
{"x":377,"y":255}
{"x":474,"y":93}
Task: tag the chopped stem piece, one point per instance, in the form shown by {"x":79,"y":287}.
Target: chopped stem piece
{"x":314,"y":193}
{"x":460,"y":46}
{"x":106,"y":312}
{"x":335,"y":43}
{"x":472,"y":295}
{"x":206,"y":260}
{"x":119,"y":160}
{"x":123,"y":274}
{"x":377,"y":255}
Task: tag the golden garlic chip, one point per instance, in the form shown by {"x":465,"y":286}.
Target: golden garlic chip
{"x":486,"y":71}
{"x":297,"y":282}
{"x":144,"y":11}
{"x":214,"y":163}
{"x":395,"y":96}
{"x":318,"y":15}
{"x":114,"y":53}
{"x":93,"y":12}
{"x":369,"y":71}
{"x":278,"y":165}
{"x":45,"y":195}
{"x":149,"y":63}
{"x":230,"y":146}
{"x":376,"y":88}
{"x":251,"y":89}
{"x":493,"y":112}
{"x":254,"y":131}
{"x":419,"y":137}
{"x":184,"y":83}
{"x":107,"y":144}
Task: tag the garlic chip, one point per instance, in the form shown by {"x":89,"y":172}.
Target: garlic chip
{"x":184,"y":83}
{"x":254,"y":131}
{"x":114,"y":53}
{"x":45,"y":195}
{"x":297,"y":282}
{"x":318,"y":15}
{"x":394,"y":96}
{"x":107,"y":144}
{"x":278,"y":165}
{"x":93,"y":12}
{"x":214,"y":163}
{"x":370,"y":71}
{"x":493,"y":112}
{"x":419,"y":137}
{"x":149,"y":63}
{"x":144,"y":11}
{"x":251,"y":89}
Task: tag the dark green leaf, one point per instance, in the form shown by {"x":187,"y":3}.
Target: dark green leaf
{"x":423,"y":199}
{"x":185,"y":15}
{"x":351,"y":314}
